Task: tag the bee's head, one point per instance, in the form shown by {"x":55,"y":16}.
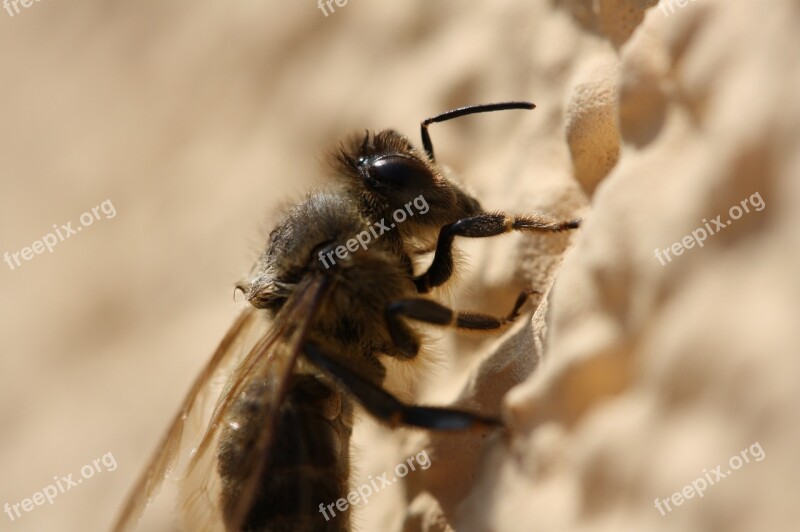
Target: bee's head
{"x":386,"y":173}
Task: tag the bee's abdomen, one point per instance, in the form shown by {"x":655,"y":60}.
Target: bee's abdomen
{"x":308,"y":463}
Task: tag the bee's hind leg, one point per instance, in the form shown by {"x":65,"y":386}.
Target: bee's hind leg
{"x":387,"y":408}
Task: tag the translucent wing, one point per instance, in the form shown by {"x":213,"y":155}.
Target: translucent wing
{"x":266,"y":367}
{"x":230,"y":350}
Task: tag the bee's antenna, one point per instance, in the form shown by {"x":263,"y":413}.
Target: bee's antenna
{"x":463,"y":111}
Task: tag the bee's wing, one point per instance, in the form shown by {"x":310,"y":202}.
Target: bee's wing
{"x":268,"y":366}
{"x":190,"y":412}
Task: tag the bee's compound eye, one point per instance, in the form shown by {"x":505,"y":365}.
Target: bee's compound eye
{"x":400,"y":172}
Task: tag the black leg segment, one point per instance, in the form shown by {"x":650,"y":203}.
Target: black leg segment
{"x":428,"y":311}
{"x":385,"y":407}
{"x":481,"y":226}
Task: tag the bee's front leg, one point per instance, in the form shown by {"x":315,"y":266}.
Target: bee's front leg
{"x":481,"y":226}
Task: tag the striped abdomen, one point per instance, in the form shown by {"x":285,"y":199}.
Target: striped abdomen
{"x":308,"y":463}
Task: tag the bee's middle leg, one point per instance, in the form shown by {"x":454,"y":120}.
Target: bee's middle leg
{"x":429,"y":311}
{"x":387,"y":408}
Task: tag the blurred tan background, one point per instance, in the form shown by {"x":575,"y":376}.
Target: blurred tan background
{"x":199,"y":120}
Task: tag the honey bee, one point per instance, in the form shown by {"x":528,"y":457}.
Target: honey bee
{"x":331,"y":297}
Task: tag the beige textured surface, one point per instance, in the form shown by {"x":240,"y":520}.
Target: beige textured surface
{"x":199,"y":119}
